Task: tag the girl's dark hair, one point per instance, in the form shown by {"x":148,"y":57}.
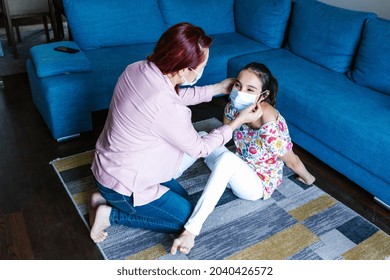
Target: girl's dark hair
{"x":179,"y":47}
{"x":269,"y":82}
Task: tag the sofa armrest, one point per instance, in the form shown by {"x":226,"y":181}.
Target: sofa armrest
{"x":49,"y":62}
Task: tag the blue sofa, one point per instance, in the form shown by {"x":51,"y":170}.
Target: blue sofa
{"x":112,"y":34}
{"x":334,"y":76}
{"x":332,"y":64}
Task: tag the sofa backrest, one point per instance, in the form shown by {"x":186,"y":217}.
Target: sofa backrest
{"x":264,"y":21}
{"x":101,"y":23}
{"x":213,"y":16}
{"x":326,"y":35}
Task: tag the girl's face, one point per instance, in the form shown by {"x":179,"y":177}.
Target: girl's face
{"x":248,"y":82}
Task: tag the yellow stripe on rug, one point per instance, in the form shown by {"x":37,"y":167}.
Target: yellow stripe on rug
{"x":364,"y":250}
{"x":313,"y":207}
{"x":151,"y":253}
{"x":73,"y":161}
{"x":279,"y":246}
{"x":83,"y":198}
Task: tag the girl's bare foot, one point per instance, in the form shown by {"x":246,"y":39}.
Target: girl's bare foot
{"x":183,"y":243}
{"x":96,"y":200}
{"x":309,"y":181}
{"x":102,"y":221}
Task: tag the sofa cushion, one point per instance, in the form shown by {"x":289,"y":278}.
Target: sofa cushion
{"x":213,"y":16}
{"x":325,"y":34}
{"x":118,"y":23}
{"x":372,"y":68}
{"x":49,"y":62}
{"x":264,"y":21}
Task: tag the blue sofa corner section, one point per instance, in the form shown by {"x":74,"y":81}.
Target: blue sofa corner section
{"x":332,"y":66}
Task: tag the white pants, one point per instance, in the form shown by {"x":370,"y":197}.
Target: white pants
{"x":226,"y":168}
{"x":187,"y":160}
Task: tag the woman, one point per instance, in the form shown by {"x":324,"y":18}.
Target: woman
{"x":149,"y":139}
{"x":262,"y":148}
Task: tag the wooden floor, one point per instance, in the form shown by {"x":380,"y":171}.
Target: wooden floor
{"x":38,"y":219}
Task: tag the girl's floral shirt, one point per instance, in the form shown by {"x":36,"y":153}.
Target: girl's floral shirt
{"x":261,"y":147}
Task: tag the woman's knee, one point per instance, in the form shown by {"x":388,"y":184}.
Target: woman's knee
{"x":178,"y":208}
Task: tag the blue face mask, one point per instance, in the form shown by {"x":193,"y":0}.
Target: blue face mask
{"x":199,"y":75}
{"x":241,"y":100}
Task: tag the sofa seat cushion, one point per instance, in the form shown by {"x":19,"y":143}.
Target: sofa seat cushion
{"x":324,"y":34}
{"x":224,"y":47}
{"x":113,"y":23}
{"x":213,"y":16}
{"x":269,"y":28}
{"x":49,"y":62}
{"x":372,"y":68}
{"x":331,"y":108}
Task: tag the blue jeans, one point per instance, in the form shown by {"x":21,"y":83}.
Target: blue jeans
{"x":167,"y":214}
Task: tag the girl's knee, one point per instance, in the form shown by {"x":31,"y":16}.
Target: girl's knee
{"x":211,"y":159}
{"x":202,"y":133}
{"x":227,"y":159}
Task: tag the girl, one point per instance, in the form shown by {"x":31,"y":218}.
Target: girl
{"x":262,"y":148}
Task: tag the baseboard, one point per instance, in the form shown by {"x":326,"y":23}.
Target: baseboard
{"x":387,"y":206}
{"x":67,"y":138}
{"x":1,"y":50}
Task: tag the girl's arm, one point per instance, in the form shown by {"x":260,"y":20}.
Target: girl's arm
{"x":295,"y":163}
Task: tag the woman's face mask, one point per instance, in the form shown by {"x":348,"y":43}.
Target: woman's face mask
{"x":241,"y":100}
{"x":199,"y":75}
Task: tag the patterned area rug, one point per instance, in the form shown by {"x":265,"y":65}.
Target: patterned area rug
{"x":298,"y":222}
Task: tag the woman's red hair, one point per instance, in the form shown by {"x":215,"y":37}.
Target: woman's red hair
{"x":181,"y":46}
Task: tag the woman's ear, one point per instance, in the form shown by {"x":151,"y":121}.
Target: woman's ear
{"x":181,"y":71}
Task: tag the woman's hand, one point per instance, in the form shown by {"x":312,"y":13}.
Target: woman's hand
{"x":224,"y":87}
{"x":250,"y":114}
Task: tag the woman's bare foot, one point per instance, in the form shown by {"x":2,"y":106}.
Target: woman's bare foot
{"x":183,"y":243}
{"x":308,"y":181}
{"x":102,"y":221}
{"x":96,"y":200}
